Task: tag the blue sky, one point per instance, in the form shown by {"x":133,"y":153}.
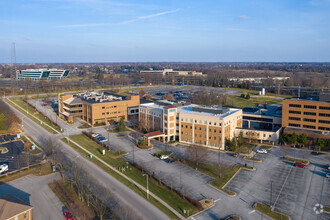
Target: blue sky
{"x":169,"y":30}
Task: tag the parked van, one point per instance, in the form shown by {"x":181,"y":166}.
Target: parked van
{"x":3,"y":168}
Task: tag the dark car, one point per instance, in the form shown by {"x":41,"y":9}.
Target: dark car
{"x":235,"y":155}
{"x":296,"y":164}
{"x":68,"y":215}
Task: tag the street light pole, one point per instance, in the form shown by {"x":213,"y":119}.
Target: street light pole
{"x":147,"y":184}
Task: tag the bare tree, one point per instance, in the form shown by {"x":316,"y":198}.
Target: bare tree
{"x":196,"y":154}
{"x":27,"y":150}
{"x":51,"y":148}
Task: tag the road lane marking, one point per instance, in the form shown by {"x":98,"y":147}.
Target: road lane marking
{"x":252,"y":212}
{"x":217,"y":200}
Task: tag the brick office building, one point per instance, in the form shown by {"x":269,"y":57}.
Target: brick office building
{"x":306,"y":116}
{"x":97,"y":108}
{"x":193,"y":124}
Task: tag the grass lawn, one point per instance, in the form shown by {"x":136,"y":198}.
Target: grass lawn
{"x":326,"y":209}
{"x":68,"y":196}
{"x":85,"y":125}
{"x":265,"y":209}
{"x":38,"y":170}
{"x":119,"y":162}
{"x":36,"y":150}
{"x":316,"y":153}
{"x":162,"y":153}
{"x":222,"y":174}
{"x":235,"y":101}
{"x":252,"y":92}
{"x":251,"y":159}
{"x":265,"y":147}
{"x":19,"y":101}
{"x":293,"y":160}
{"x":116,"y":131}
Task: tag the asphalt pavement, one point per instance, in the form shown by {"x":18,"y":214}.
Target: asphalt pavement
{"x":34,"y":191}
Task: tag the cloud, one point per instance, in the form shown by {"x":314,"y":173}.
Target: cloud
{"x":150,"y":16}
{"x":243,"y":17}
{"x":120,"y":23}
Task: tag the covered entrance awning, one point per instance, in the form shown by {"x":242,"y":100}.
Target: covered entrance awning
{"x":152,"y":135}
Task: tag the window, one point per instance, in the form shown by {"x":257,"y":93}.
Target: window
{"x":210,"y":130}
{"x":103,"y":107}
{"x":181,"y":126}
{"x":215,"y":130}
{"x":215,"y":138}
{"x":324,"y":128}
{"x":309,"y":120}
{"x":195,"y":121}
{"x":324,"y":121}
{"x":195,"y":128}
{"x":309,"y":126}
{"x":310,"y":106}
{"x":191,"y":120}
{"x":215,"y":123}
{"x":25,"y":215}
{"x":200,"y":135}
{"x":324,"y":115}
{"x":294,"y":118}
{"x":324,"y":108}
{"x":309,"y":113}
{"x":294,"y":106}
{"x":270,"y":135}
{"x":186,"y":126}
{"x":220,"y":131}
{"x":210,"y":123}
{"x":200,"y":129}
{"x":190,"y":127}
{"x":294,"y":125}
{"x":103,"y":113}
{"x":181,"y":132}
{"x":210,"y":137}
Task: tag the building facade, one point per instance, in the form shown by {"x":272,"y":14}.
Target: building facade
{"x":12,"y":208}
{"x":191,"y":124}
{"x":306,"y":114}
{"x":38,"y":74}
{"x":97,"y":108}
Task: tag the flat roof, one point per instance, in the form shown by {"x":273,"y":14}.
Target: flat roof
{"x":306,"y":100}
{"x":190,"y":110}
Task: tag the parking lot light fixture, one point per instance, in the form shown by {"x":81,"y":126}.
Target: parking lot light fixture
{"x":147,"y":185}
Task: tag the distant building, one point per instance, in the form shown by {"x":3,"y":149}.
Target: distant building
{"x":306,"y":116}
{"x":167,"y":72}
{"x":38,"y":74}
{"x":12,"y":208}
{"x":192,"y":124}
{"x":97,"y":108}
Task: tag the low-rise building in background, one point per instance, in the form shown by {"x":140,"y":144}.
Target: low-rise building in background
{"x":39,"y":74}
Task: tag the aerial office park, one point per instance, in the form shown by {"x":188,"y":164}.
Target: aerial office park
{"x":189,"y":123}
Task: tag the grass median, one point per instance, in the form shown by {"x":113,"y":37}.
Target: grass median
{"x":114,"y":160}
{"x":27,"y":108}
{"x":294,"y":160}
{"x":265,"y":209}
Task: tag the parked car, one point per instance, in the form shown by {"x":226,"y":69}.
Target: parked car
{"x":163,"y":157}
{"x":102,"y":139}
{"x":296,"y":164}
{"x":327,"y":175}
{"x":235,"y":155}
{"x":44,"y":104}
{"x":68,"y":215}
{"x":96,"y":135}
{"x":3,"y":168}
{"x":328,"y":166}
{"x":262,"y":151}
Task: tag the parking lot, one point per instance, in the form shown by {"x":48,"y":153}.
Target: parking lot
{"x":291,"y":190}
{"x":15,"y":157}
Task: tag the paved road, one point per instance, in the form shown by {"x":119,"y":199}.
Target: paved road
{"x":194,"y":183}
{"x":142,"y":208}
{"x":35,"y":191}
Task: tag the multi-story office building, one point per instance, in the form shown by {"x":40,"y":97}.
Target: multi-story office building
{"x":192,"y":124}
{"x":307,"y":116}
{"x":38,"y":74}
{"x":97,"y":108}
{"x":262,"y":124}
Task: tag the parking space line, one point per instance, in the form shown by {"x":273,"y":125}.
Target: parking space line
{"x":216,"y":200}
{"x":283,"y":186}
{"x":252,"y":212}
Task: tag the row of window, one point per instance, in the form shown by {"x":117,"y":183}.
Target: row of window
{"x":200,"y":122}
{"x":309,"y":113}
{"x":210,"y":130}
{"x":108,"y":113}
{"x":309,"y":106}
{"x":200,"y":142}
{"x":309,"y":126}
{"x":215,"y":138}
{"x":309,"y":120}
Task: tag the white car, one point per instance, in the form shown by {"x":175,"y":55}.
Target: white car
{"x":163,"y":157}
{"x":3,"y":168}
{"x":262,"y":151}
{"x":95,"y":135}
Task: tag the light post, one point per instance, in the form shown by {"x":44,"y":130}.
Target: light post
{"x":147,"y":184}
{"x":4,"y":94}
